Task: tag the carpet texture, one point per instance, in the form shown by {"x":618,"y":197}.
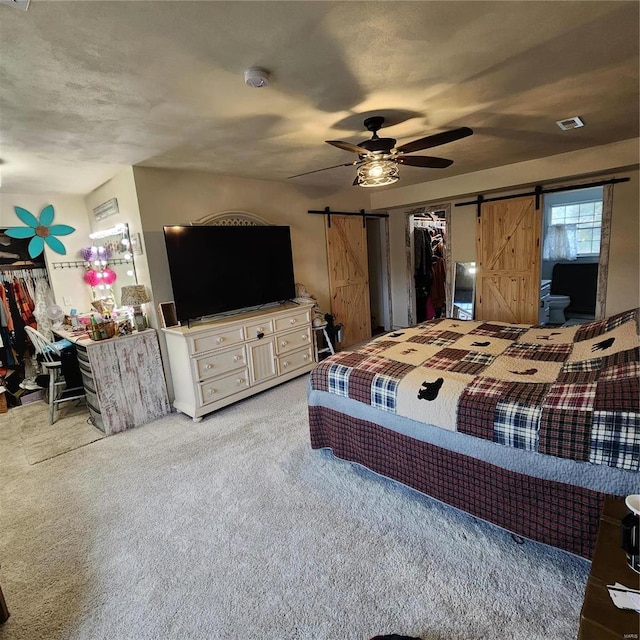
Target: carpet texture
{"x":234,"y":529}
{"x":41,"y":440}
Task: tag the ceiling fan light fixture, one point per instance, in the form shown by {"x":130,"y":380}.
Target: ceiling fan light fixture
{"x":377,"y":173}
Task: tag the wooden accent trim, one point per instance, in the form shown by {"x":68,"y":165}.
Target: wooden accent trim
{"x":388,"y":274}
{"x":603,"y":262}
{"x":449,"y":264}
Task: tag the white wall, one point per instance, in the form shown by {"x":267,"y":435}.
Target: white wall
{"x":123,"y":188}
{"x":69,"y":289}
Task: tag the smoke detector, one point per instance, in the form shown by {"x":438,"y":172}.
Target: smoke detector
{"x":18,"y":4}
{"x":570,"y":123}
{"x":256,"y":77}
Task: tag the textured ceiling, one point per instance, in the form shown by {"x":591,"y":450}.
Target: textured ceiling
{"x":89,"y":87}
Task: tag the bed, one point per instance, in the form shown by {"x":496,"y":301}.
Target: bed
{"x":526,"y":427}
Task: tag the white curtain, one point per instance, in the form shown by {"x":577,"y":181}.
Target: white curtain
{"x":561,"y":242}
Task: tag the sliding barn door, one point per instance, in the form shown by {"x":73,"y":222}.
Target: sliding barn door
{"x":349,"y":277}
{"x":508,"y":261}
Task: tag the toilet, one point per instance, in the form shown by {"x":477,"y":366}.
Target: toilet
{"x":557,"y":305}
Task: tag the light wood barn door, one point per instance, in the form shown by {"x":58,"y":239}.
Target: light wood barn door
{"x":508,"y":261}
{"x":349,"y":277}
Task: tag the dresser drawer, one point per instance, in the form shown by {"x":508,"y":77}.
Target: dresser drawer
{"x":293,"y":340}
{"x":293,"y":361}
{"x":83,"y":356}
{"x":292,"y":321}
{"x":265,"y":327}
{"x":213,"y":390}
{"x":210,"y":341}
{"x":220,"y":362}
{"x":87,"y":381}
{"x":92,"y":399}
{"x":96,"y":418}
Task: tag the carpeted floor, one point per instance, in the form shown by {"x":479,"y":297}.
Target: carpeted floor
{"x":41,"y":440}
{"x":234,"y":529}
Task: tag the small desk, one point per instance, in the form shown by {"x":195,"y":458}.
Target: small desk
{"x":600,"y":619}
{"x":123,"y":379}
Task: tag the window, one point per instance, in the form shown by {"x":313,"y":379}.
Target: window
{"x":573,"y":221}
{"x":587,"y":216}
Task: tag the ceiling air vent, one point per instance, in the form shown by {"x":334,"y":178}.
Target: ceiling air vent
{"x":18,"y":4}
{"x":570,"y":123}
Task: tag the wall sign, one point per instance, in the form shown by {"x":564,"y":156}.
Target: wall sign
{"x":106,"y":209}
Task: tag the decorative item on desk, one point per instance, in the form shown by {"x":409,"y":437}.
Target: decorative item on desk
{"x":125,"y":327}
{"x":135,"y":295}
{"x":101,"y":330}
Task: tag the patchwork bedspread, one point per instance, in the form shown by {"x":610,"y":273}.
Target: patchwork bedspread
{"x":571,"y":392}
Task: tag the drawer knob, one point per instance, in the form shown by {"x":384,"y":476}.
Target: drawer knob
{"x":306,"y":356}
{"x":219,"y":340}
{"x":208,"y":366}
{"x":240,"y":380}
{"x":284,"y":343}
{"x":211,"y":391}
{"x":292,"y":321}
{"x":260,"y":329}
{"x":236,"y":358}
{"x":285,"y":364}
{"x":305,"y":336}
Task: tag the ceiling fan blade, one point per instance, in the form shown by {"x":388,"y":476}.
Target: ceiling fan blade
{"x":335,"y":166}
{"x":435,"y":140}
{"x":424,"y":161}
{"x":348,"y":146}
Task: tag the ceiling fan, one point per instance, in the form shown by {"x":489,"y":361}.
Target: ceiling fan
{"x":378,"y":158}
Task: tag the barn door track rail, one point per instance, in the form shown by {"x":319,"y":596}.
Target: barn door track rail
{"x":365,"y":214}
{"x":537,"y":192}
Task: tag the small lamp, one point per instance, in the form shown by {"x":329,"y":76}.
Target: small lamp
{"x":135,"y":295}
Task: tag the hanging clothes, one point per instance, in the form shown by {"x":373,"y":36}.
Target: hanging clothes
{"x":17,"y":291}
{"x":24,"y":303}
{"x":438,"y":286}
{"x":43,"y":300}
{"x":423,"y":272}
{"x":17,"y":338}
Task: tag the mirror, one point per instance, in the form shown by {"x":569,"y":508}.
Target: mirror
{"x":464,"y":290}
{"x":110,"y":257}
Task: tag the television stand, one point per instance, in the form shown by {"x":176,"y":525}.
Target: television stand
{"x":230,"y":358}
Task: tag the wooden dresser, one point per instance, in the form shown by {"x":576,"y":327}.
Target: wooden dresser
{"x":218,"y":362}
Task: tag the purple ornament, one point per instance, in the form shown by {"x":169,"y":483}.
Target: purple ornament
{"x":89,"y":254}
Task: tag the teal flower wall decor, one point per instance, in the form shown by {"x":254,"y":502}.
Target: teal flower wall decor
{"x":40,"y":231}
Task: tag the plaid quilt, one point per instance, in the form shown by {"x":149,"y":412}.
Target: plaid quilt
{"x":571,"y":392}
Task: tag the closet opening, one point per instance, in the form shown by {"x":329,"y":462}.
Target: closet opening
{"x":429,"y":271}
{"x":25,"y":297}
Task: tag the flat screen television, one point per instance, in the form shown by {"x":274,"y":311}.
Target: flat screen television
{"x":221,"y":269}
